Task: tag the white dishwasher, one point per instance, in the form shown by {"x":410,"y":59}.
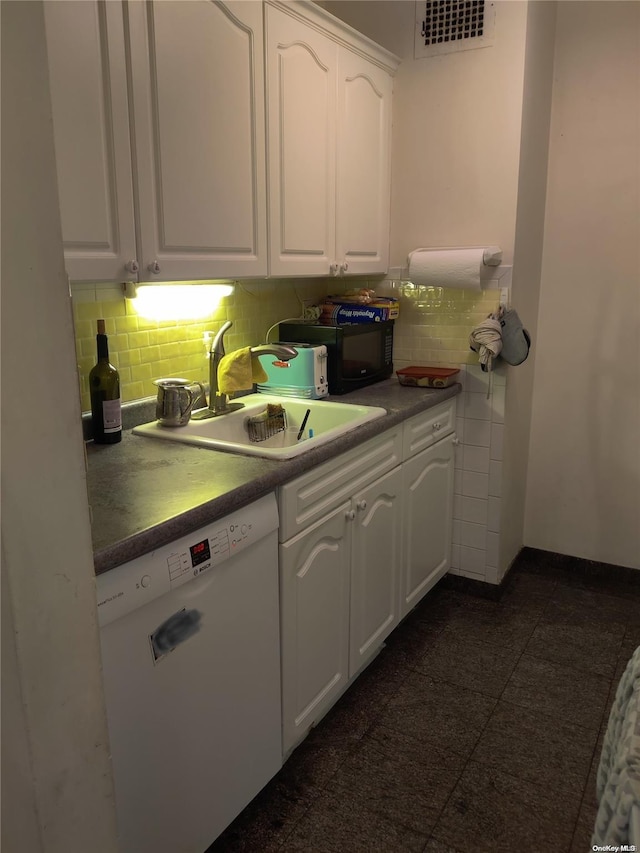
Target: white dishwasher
{"x":191,"y":665}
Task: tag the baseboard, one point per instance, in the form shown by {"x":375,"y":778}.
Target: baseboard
{"x":470,"y":586}
{"x":537,"y":561}
{"x":549,"y":563}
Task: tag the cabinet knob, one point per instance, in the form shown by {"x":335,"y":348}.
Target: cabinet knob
{"x":132,"y":266}
{"x":344,"y":267}
{"x":455,"y":440}
{"x":361,"y":504}
{"x":154,"y":267}
{"x":350,"y":515}
{"x":437,"y":425}
{"x":333,"y":269}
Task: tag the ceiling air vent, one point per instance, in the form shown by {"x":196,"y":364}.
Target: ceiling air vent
{"x":445,"y":26}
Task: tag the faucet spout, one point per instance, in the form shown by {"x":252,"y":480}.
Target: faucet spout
{"x":281,"y":351}
{"x":217,"y":346}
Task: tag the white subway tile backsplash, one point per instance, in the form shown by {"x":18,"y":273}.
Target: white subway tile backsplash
{"x":455,"y":557}
{"x":457,"y":506}
{"x":460,"y":423}
{"x":500,"y":374}
{"x":457,"y":481}
{"x":475,"y":485}
{"x":476,"y":576}
{"x":493,"y":547}
{"x":493,"y":515}
{"x":476,"y":380}
{"x":495,"y":479}
{"x":477,"y":432}
{"x":473,"y":535}
{"x":477,"y":406}
{"x":461,"y":378}
{"x":458,"y":456}
{"x":456,"y":534}
{"x":473,"y":509}
{"x":472,"y":560}
{"x":497,"y":404}
{"x":476,"y":459}
{"x":497,"y":433}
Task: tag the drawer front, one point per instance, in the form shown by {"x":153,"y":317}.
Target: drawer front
{"x":308,"y":498}
{"x":423,"y":430}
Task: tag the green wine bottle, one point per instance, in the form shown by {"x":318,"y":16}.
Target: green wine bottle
{"x":104,"y":385}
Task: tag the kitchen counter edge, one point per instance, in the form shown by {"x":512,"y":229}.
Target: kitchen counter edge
{"x":145,"y":493}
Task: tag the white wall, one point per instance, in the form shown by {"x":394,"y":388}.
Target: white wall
{"x":456,"y":131}
{"x":583,"y":494}
{"x":57,"y":792}
{"x":525,"y":291}
{"x":465,"y":170}
{"x":457,"y":180}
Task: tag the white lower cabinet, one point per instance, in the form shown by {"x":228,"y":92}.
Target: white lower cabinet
{"x":314,"y":602}
{"x":339,"y":600}
{"x":363,"y":538}
{"x":375,"y":566}
{"x":427,"y":486}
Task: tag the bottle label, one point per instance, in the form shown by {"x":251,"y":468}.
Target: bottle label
{"x":112,"y":416}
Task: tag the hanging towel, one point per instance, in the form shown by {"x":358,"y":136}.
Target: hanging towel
{"x":239,"y":370}
{"x":486,"y":340}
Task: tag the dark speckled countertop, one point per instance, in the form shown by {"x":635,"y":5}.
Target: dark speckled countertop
{"x":145,"y":492}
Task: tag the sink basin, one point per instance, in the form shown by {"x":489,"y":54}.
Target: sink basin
{"x":327,"y":419}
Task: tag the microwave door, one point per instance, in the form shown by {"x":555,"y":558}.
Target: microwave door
{"x":361,"y":356}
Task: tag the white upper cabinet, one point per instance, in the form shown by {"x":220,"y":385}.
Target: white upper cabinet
{"x":329,"y":130}
{"x":363,"y":165}
{"x":87,"y":74}
{"x":198,"y":82}
{"x":163,"y":154}
{"x":190,"y":201}
{"x":301,"y":109}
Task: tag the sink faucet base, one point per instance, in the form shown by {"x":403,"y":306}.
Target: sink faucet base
{"x":204,"y":414}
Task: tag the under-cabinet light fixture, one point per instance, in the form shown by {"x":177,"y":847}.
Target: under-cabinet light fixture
{"x":183,"y":300}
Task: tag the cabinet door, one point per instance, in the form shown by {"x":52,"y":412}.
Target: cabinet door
{"x":375,"y":570}
{"x":301,"y":119}
{"x":363,"y":165}
{"x":314,"y":612}
{"x":428,"y":519}
{"x":87,"y":73}
{"x":198,"y":101}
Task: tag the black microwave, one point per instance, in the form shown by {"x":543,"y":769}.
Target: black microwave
{"x":358,"y":354}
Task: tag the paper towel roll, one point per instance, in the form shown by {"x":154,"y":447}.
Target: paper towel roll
{"x":459,"y":268}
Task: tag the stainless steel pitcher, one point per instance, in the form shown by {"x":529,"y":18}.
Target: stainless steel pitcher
{"x":176,"y":398}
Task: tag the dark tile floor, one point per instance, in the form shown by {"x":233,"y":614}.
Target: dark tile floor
{"x":477,"y":728}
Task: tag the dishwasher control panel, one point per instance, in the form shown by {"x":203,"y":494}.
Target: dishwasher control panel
{"x":132,"y":585}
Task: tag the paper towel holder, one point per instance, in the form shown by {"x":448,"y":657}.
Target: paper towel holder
{"x":492,"y":256}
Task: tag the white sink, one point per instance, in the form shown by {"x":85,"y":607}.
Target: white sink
{"x":327,"y":419}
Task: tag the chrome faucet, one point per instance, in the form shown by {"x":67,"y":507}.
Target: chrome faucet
{"x":219,"y":403}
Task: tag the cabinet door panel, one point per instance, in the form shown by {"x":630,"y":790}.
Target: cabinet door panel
{"x":198,"y":83}
{"x":314,"y":591}
{"x":301,"y":69}
{"x":375,"y":567}
{"x":87,"y":74}
{"x":363,"y":184}
{"x":428,"y":514}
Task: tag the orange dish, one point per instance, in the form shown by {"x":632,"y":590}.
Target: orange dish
{"x":428,"y":377}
